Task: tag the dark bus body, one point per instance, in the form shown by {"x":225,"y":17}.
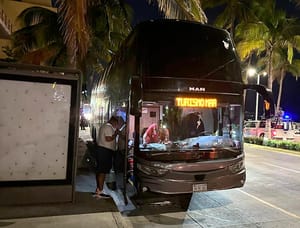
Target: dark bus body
{"x":184,"y":77}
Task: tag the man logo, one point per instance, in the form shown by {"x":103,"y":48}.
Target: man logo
{"x":196,"y":89}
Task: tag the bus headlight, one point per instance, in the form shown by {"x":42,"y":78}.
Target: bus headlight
{"x":151,"y":171}
{"x":237,"y":167}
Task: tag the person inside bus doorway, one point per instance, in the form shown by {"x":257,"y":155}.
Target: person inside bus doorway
{"x":193,"y":125}
{"x":164,"y":135}
{"x":106,"y":146}
{"x":155,"y":134}
{"x":151,"y":135}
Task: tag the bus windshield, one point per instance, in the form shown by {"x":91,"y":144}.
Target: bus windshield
{"x":189,"y":128}
{"x":210,"y":49}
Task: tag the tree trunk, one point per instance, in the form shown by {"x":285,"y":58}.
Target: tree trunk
{"x":270,"y":69}
{"x":270,"y":82}
{"x":282,"y":74}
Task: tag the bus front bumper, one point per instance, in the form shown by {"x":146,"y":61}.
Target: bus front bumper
{"x":169,"y":185}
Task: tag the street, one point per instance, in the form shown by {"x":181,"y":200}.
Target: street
{"x":270,"y":198}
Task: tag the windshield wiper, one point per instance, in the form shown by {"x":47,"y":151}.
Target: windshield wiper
{"x":217,"y":69}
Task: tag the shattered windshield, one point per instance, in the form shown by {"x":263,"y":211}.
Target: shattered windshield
{"x":166,"y":127}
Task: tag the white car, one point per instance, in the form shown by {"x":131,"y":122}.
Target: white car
{"x":254,"y":128}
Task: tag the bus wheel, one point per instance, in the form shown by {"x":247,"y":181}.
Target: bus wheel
{"x":184,"y":200}
{"x":262,"y":135}
{"x":139,"y":188}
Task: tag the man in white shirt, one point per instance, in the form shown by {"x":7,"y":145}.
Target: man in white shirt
{"x":106,"y":145}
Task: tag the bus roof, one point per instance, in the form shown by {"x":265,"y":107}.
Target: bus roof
{"x":184,"y":49}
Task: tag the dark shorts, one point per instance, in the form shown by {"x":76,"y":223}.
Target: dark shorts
{"x":104,"y":159}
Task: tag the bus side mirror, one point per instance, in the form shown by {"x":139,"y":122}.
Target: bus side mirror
{"x":269,"y":104}
{"x":136,"y":96}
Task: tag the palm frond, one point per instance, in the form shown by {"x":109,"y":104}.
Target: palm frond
{"x":74,"y":27}
{"x":296,"y":42}
{"x":180,"y":9}
{"x":294,"y":68}
{"x":252,"y":31}
{"x":245,"y":48}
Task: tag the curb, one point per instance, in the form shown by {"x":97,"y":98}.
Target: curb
{"x":274,"y":149}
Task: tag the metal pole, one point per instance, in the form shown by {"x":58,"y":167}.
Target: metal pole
{"x":256,"y":104}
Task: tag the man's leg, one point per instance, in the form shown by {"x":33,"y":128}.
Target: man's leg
{"x":100,"y":181}
{"x":100,"y":178}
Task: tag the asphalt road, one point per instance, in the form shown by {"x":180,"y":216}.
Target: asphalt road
{"x":270,"y":198}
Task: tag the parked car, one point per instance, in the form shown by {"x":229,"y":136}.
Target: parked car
{"x":254,"y":128}
{"x":284,"y":129}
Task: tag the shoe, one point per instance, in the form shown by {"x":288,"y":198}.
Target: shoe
{"x":102,"y":196}
{"x":99,"y":194}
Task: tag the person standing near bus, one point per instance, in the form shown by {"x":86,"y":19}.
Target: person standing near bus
{"x":106,"y":146}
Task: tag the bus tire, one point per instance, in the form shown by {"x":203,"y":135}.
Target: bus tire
{"x":184,"y":200}
{"x":262,"y":135}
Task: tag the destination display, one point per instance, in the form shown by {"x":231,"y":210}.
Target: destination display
{"x":196,"y":102}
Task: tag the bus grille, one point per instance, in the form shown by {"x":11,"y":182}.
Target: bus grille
{"x":200,"y":177}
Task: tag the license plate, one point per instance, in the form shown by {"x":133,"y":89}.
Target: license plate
{"x":199,"y":187}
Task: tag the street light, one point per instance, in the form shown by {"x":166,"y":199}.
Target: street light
{"x":251,"y":72}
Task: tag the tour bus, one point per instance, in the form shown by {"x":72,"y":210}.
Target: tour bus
{"x":182,"y":79}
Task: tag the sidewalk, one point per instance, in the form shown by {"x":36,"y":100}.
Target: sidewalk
{"x":85,"y":212}
{"x":86,"y":181}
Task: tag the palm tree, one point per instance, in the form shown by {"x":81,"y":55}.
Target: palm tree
{"x":270,"y":31}
{"x":108,"y":25}
{"x":235,"y":11}
{"x":283,"y":65}
{"x":76,"y":32}
{"x":181,"y":9}
{"x":273,"y":30}
{"x":74,"y":28}
{"x":73,"y":17}
{"x":38,"y":41}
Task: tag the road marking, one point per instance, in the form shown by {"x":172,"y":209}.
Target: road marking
{"x":275,"y":150}
{"x":280,"y":167}
{"x":270,"y":205}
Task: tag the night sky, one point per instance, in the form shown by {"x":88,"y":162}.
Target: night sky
{"x":290,"y":100}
